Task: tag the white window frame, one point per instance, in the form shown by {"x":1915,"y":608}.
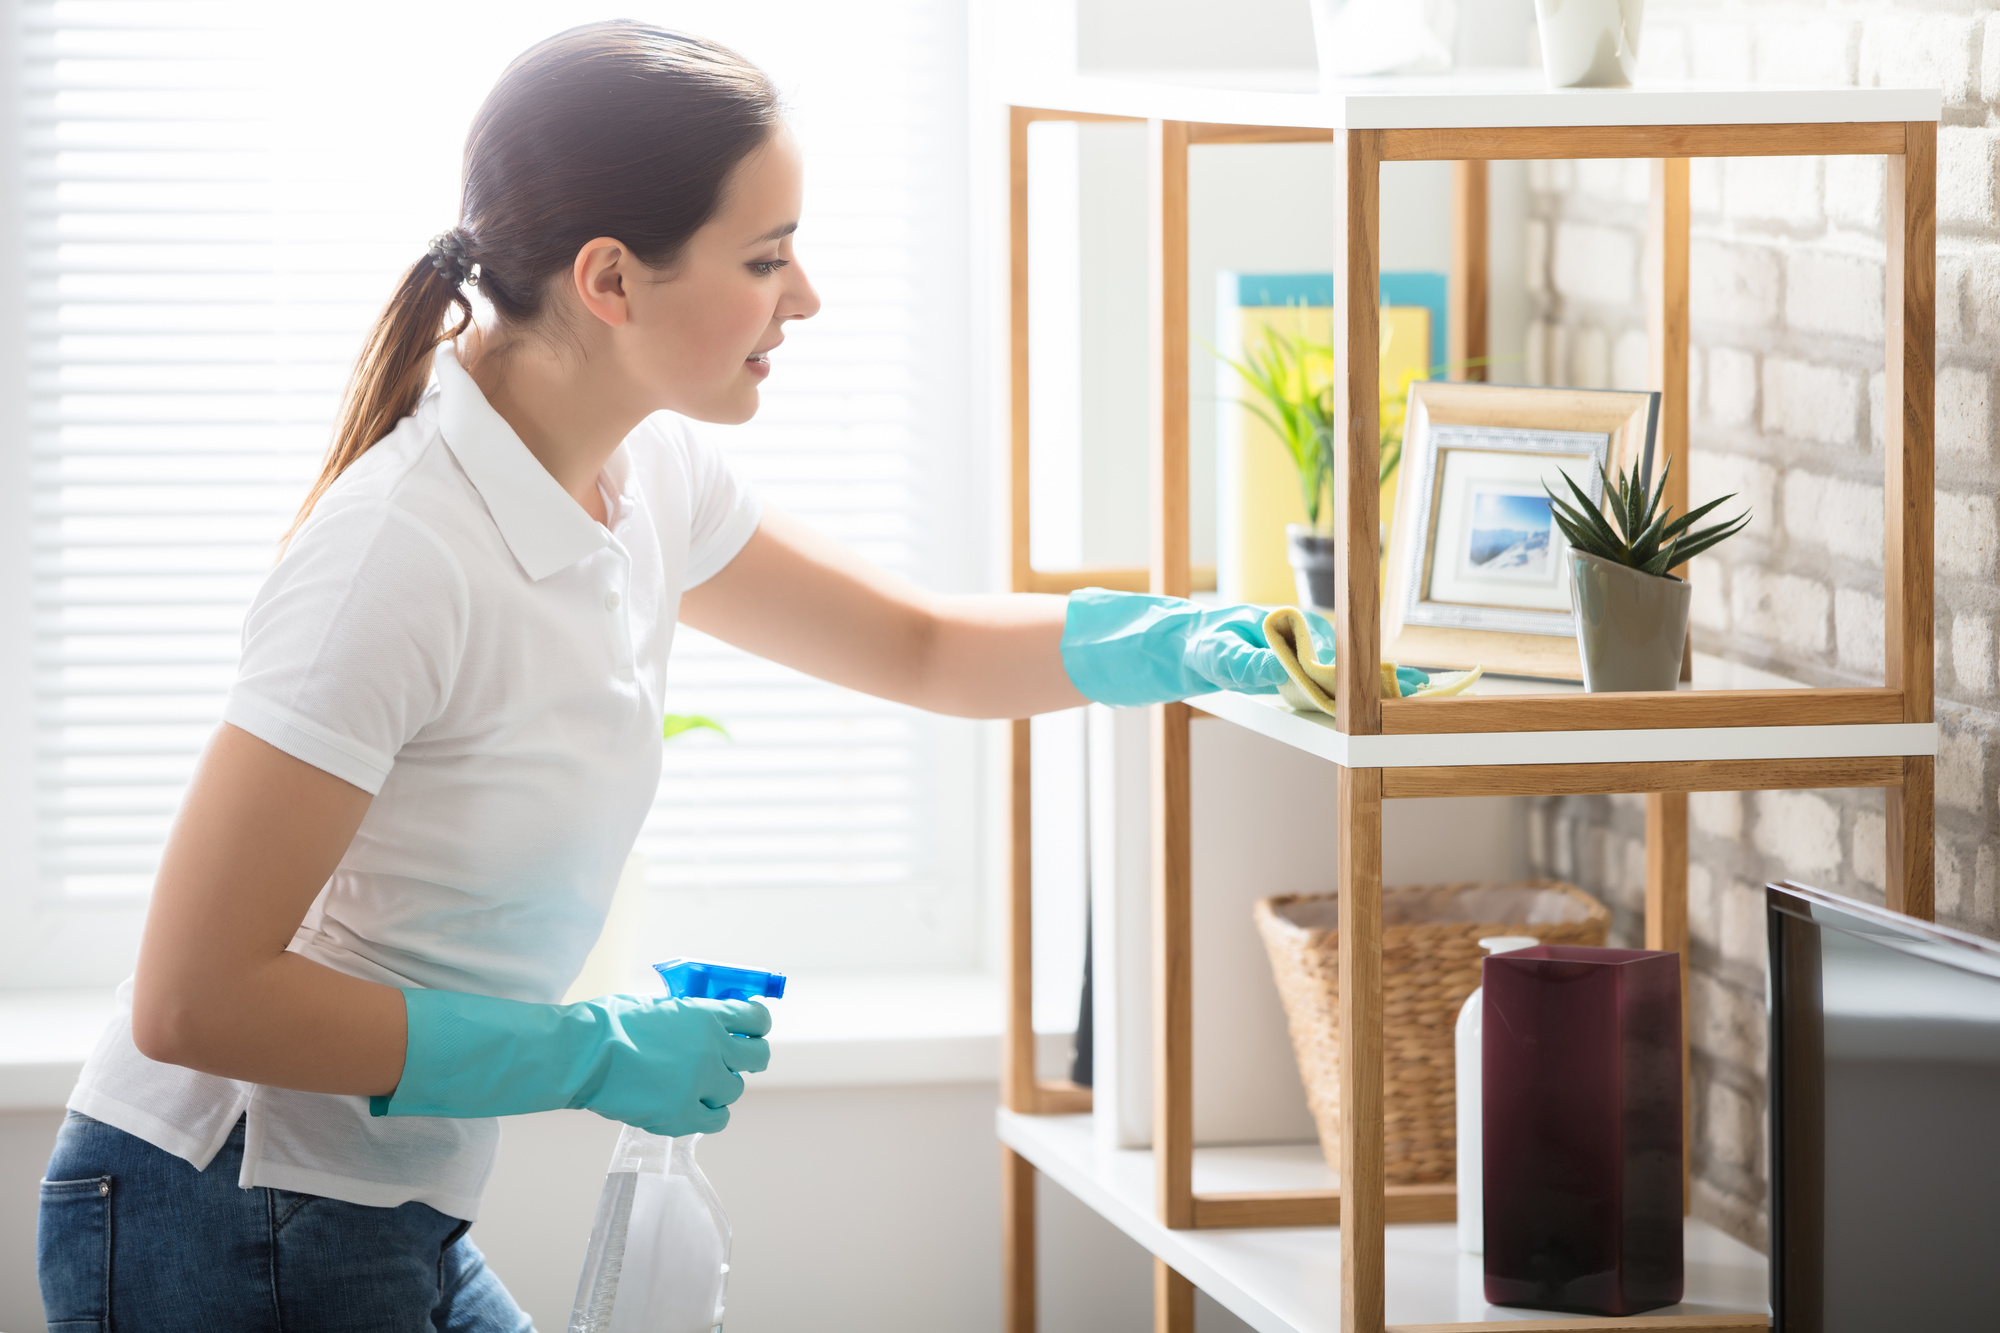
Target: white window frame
{"x":46,"y":944}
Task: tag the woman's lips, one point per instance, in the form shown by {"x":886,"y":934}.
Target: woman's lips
{"x":759,"y":365}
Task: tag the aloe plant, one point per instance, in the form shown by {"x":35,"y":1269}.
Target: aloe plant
{"x":1640,"y":534}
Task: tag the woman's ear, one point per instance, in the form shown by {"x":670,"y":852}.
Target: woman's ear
{"x":599,"y":275}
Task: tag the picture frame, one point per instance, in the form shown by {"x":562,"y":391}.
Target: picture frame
{"x":1475,"y":573}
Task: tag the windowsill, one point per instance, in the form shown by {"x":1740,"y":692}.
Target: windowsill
{"x":830,"y":1032}
{"x":44,"y":1035}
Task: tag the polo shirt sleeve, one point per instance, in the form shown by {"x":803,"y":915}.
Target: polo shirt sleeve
{"x":353,"y":643}
{"x":723,"y":510}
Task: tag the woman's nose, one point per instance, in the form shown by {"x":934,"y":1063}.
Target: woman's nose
{"x":801,"y":301}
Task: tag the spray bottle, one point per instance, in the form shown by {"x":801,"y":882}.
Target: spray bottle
{"x":659,"y":1250}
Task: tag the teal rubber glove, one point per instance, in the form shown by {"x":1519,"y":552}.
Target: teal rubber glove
{"x":1131,"y":648}
{"x":667,"y":1066}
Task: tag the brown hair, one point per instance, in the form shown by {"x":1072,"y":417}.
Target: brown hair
{"x":610,"y":129}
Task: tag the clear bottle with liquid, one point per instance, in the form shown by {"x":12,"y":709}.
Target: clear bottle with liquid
{"x":1470,"y":1078}
{"x":659,"y":1249}
{"x":658,"y":1260}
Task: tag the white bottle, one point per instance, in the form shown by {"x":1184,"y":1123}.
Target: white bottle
{"x":659,"y":1250}
{"x":1471,"y":1195}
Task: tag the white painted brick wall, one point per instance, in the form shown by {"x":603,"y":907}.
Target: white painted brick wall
{"x":1590,"y":359}
{"x":1806,"y":52}
{"x":1858,"y":626}
{"x":1752,"y":481}
{"x":1783,"y":191}
{"x":1989,"y":59}
{"x":1732,"y":386}
{"x":1719,"y":814}
{"x":1835,"y":294}
{"x":1870,"y":857}
{"x":1733,"y":1130}
{"x":1723,"y":1020}
{"x":1596,"y":263}
{"x":1904,"y":50}
{"x":1799,"y":829}
{"x":1854,"y":193}
{"x":1965,"y":533}
{"x":1961,"y":769}
{"x":1972,"y":652}
{"x":1965,"y":176}
{"x":1964,"y":414}
{"x":1787,"y":408}
{"x":1732,"y":284}
{"x":1837,"y":515}
{"x":1815,"y":404}
{"x":1980,"y":291}
{"x":1783,"y":609}
{"x":1721,"y":51}
{"x":1743,"y":925}
{"x":1708,"y":606}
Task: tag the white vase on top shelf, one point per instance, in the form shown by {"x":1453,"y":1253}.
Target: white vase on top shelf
{"x":1589,"y":43}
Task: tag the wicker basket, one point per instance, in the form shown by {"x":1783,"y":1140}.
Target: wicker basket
{"x":1430,"y":964}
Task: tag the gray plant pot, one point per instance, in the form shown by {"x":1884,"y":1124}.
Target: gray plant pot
{"x":1631,"y":627}
{"x":1311,"y":556}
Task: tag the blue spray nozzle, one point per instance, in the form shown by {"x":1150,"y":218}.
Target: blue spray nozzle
{"x":696,"y":979}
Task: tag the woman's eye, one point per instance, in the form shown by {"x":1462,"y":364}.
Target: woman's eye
{"x":764,"y":268}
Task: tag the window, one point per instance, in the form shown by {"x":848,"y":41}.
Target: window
{"x":216,"y":198}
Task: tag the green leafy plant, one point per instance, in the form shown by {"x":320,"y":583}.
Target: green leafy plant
{"x":677,"y":723}
{"x":1291,"y":377}
{"x":1646,"y":536}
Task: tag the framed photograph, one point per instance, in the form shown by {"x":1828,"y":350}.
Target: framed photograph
{"x":1476,"y":570}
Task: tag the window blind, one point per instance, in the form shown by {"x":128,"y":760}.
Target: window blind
{"x":218,"y":198}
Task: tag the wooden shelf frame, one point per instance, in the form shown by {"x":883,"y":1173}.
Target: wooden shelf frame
{"x":1364,"y":1203}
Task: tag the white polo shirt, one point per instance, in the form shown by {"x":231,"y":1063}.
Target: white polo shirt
{"x":453,"y":633}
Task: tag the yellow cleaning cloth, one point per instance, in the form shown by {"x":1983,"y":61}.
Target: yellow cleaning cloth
{"x":1310,"y":688}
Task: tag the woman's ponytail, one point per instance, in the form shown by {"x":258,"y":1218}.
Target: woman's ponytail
{"x":395,"y":362}
{"x":610,"y":129}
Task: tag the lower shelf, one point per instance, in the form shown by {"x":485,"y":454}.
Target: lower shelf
{"x":1287,"y":1280}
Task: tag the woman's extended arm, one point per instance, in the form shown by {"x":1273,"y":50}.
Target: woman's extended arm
{"x":258,"y":835}
{"x":797,"y":598}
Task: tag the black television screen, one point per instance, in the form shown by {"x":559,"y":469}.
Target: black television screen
{"x":1885,"y":1120}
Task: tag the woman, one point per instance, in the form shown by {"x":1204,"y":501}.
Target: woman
{"x":401,"y":842}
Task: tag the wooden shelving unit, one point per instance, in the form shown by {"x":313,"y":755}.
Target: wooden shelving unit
{"x":1503,"y":740}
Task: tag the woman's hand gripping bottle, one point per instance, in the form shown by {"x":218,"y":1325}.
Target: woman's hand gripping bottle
{"x":659,"y":1249}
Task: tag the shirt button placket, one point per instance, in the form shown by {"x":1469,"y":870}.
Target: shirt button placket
{"x":614,"y":599}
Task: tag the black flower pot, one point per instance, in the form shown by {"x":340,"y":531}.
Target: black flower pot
{"x":1311,"y":555}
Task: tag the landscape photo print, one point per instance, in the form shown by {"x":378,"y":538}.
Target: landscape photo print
{"x":1493,"y":543}
{"x":1512,"y":537}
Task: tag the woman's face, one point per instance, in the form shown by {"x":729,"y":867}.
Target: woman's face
{"x":701,"y":330}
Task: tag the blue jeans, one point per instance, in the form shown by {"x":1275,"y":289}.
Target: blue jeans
{"x":133,"y":1238}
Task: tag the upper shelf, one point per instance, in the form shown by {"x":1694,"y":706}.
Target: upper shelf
{"x":1728,"y":713}
{"x":1479,"y":99}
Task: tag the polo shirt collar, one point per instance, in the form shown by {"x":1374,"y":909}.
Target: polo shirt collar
{"x":542,"y":525}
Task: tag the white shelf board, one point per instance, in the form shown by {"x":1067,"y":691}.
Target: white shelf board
{"x":1315,"y":733}
{"x":1480,"y":99}
{"x":1287,"y":1279}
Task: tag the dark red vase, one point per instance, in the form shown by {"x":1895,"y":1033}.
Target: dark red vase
{"x":1582,"y":1069}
